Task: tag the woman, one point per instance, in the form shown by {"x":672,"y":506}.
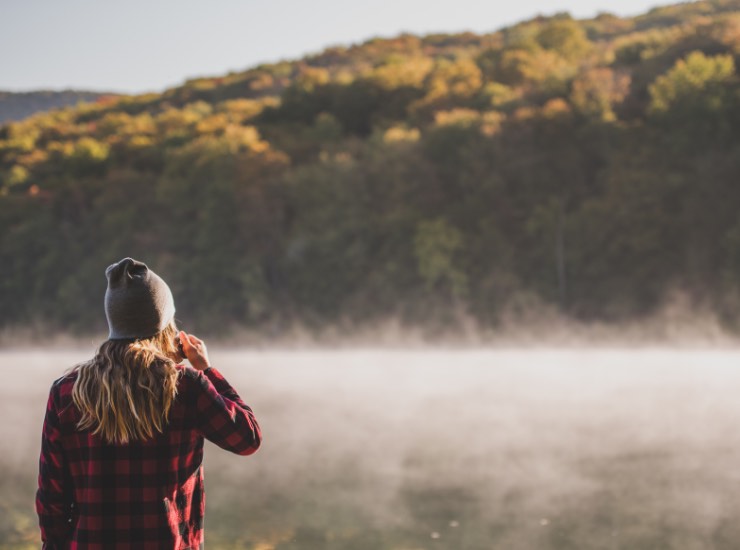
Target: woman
{"x":122,"y":441}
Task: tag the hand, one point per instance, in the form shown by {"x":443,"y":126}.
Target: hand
{"x":195,"y":351}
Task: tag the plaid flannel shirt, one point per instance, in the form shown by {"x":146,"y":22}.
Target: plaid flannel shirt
{"x":145,"y":495}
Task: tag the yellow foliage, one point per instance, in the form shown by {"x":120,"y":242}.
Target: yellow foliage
{"x":310,"y":78}
{"x":89,"y":149}
{"x":234,"y":140}
{"x":174,"y":120}
{"x":448,"y":82}
{"x":201,"y":84}
{"x":566,"y":37}
{"x":122,"y":124}
{"x":142,"y":124}
{"x":396,"y":134}
{"x":555,"y":108}
{"x":17,"y":175}
{"x":456,"y":117}
{"x":261,"y":81}
{"x":198,"y":108}
{"x":643,"y":45}
{"x":460,"y":79}
{"x":690,"y":77}
{"x":22,"y":136}
{"x":539,"y":67}
{"x":491,"y":122}
{"x":212,"y":124}
{"x":60,"y":148}
{"x":488,"y":122}
{"x":500,"y":94}
{"x":239,"y":110}
{"x":343,"y":77}
{"x":246,"y":137}
{"x":402,"y":72}
{"x":140,"y":142}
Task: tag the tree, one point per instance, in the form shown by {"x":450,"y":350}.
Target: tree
{"x":595,"y":92}
{"x":699,"y":96}
{"x":697,"y":82}
{"x":436,"y":244}
{"x":565,"y":37}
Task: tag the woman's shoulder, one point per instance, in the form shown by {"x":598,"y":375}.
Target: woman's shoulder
{"x":60,"y":394}
{"x":187,"y":372}
{"x":189,"y":377}
{"x":62,"y":386}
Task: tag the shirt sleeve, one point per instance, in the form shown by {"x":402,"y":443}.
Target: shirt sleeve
{"x":54,"y":502}
{"x":223,"y":418}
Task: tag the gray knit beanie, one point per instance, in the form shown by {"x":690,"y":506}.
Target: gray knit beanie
{"x":138,"y":303}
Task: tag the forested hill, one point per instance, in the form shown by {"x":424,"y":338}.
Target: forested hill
{"x":19,"y":105}
{"x":585,"y":166}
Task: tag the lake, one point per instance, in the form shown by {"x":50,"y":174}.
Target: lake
{"x":457,"y":449}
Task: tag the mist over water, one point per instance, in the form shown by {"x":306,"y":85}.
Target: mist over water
{"x":551,"y":449}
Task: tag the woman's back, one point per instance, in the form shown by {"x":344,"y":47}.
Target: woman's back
{"x":102,"y":485}
{"x":141,"y":494}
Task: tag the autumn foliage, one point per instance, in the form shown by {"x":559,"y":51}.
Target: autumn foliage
{"x":588,"y":167}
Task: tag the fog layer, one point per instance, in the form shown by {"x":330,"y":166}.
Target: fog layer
{"x":461,"y":450}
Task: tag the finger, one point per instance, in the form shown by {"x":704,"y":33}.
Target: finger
{"x":184,"y":340}
{"x":189,"y":345}
{"x":198,"y":343}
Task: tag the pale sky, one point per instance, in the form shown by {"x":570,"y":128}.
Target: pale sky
{"x":135,"y":46}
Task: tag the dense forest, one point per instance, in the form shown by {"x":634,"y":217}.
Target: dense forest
{"x":19,"y":105}
{"x":588,"y":167}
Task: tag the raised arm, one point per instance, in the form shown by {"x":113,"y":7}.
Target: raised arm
{"x":221,"y":415}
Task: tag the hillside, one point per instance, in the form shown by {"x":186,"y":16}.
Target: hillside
{"x":19,"y":105}
{"x":587,"y":167}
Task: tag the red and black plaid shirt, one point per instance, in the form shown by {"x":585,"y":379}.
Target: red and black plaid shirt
{"x":145,"y":495}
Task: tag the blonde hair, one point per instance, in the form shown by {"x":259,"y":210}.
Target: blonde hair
{"x":125,"y":392}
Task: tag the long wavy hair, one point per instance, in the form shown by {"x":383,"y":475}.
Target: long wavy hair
{"x":126,"y":391}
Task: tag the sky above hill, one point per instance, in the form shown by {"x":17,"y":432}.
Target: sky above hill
{"x":150,"y":45}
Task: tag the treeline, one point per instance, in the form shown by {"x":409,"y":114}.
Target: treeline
{"x":585,"y":166}
{"x":19,"y":105}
